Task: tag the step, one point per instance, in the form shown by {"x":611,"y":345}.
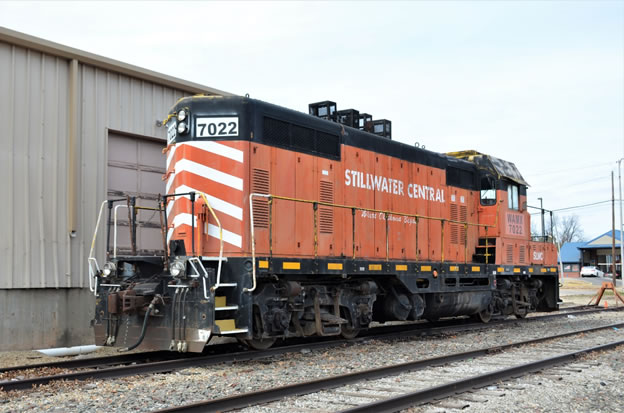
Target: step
{"x":229,"y":327}
{"x":221,"y":305}
{"x":226,"y":308}
{"x":228,"y":285}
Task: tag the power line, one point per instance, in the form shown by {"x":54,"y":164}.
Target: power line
{"x":542,"y":173}
{"x":582,"y":206}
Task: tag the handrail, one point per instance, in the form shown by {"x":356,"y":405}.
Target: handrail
{"x":218,"y":282}
{"x":253,"y":241}
{"x":93,"y":272}
{"x":386,"y":213}
{"x":115,"y":228}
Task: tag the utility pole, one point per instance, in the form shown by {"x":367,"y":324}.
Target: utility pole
{"x":613,"y":230}
{"x":543,"y":228}
{"x":621,"y":225}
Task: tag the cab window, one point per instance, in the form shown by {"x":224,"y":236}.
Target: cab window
{"x":512,"y":197}
{"x":488,"y":191}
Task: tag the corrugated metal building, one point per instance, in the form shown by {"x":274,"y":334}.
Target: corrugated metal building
{"x":75,"y":129}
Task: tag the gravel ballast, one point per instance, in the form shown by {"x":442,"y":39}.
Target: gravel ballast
{"x":595,"y":388}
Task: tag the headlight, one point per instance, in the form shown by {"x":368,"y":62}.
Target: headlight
{"x":177,"y":268}
{"x":108,"y":269}
{"x":182,"y":127}
{"x":181,"y":115}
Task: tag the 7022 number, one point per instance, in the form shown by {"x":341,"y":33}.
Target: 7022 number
{"x":217,"y":127}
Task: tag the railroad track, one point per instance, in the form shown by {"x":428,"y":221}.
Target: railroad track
{"x":160,"y":362}
{"x":423,"y":381}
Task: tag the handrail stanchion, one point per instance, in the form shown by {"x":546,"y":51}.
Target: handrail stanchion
{"x":218,"y":281}
{"x":387,"y":237}
{"x":353,"y":229}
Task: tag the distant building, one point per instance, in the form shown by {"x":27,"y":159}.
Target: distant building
{"x":596,"y":252}
{"x":571,"y":259}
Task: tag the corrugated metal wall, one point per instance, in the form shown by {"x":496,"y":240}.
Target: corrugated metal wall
{"x":34,"y":160}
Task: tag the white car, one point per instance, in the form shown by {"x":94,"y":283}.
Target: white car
{"x":591,"y":272}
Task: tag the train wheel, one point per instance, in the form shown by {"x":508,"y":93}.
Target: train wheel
{"x":484,"y":316}
{"x":348,"y":333}
{"x":521,"y":314}
{"x":260,"y":344}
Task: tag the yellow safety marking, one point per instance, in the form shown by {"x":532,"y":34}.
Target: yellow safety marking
{"x":500,"y":269}
{"x":226,"y":325}
{"x":220,"y":302}
{"x":544,"y":270}
{"x":400,"y":267}
{"x":291,"y":265}
{"x":425,"y":268}
{"x":334,"y":266}
{"x":516,"y":269}
{"x":374,"y":267}
{"x":454,"y":268}
{"x":476,"y":269}
{"x":263,"y":264}
{"x":530,"y":269}
{"x":553,"y":270}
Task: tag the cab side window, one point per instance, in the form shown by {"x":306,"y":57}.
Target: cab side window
{"x":512,"y":197}
{"x":488,"y":191}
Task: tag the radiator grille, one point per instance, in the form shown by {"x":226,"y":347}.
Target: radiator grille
{"x":509,"y":254}
{"x":463,"y":217}
{"x":260,"y":185}
{"x":522,"y":253}
{"x":454,"y":227}
{"x":326,"y":214}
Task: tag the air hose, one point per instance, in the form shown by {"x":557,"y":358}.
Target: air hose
{"x":144,"y":328}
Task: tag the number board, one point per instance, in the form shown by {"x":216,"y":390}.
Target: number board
{"x":216,"y":127}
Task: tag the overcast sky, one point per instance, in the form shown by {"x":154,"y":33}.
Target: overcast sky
{"x":540,"y":84}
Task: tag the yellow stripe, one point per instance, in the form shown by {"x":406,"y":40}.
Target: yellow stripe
{"x":531,"y":269}
{"x":454,"y":268}
{"x":500,"y":269}
{"x":544,"y":270}
{"x":516,"y":269}
{"x":291,"y":265}
{"x":400,"y":267}
{"x":425,"y":268}
{"x":263,"y":264}
{"x":334,"y":266}
{"x":374,"y":267}
{"x":553,"y":270}
{"x":476,"y":269}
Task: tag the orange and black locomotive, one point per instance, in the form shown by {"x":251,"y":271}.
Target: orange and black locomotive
{"x":276,"y":224}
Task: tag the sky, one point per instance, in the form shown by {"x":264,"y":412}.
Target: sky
{"x":540,"y":84}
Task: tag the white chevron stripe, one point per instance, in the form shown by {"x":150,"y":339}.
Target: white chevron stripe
{"x":218,"y":149}
{"x":216,"y":203}
{"x":170,"y":155}
{"x":213,"y":231}
{"x":209,"y":146}
{"x":209,"y":173}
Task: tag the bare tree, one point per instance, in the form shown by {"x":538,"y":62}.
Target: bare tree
{"x":566,"y":228}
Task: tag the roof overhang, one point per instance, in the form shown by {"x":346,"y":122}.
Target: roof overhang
{"x":55,"y":49}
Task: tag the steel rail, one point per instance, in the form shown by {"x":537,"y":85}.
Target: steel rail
{"x":91,"y":362}
{"x":460,"y":386}
{"x":264,"y":396}
{"x":380,"y":333}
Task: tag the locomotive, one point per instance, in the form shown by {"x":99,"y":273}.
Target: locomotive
{"x":276,"y":223}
